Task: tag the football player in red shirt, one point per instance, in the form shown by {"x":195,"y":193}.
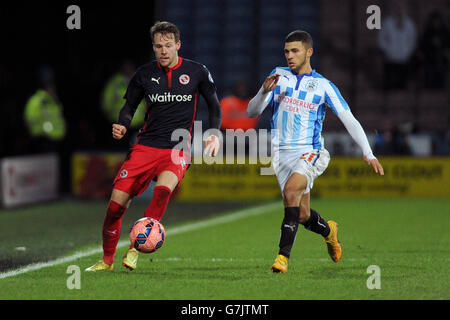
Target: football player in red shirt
{"x":170,"y":85}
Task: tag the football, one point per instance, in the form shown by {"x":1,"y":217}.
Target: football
{"x":147,"y":235}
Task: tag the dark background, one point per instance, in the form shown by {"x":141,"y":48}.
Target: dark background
{"x":234,"y":39}
{"x":35,"y":34}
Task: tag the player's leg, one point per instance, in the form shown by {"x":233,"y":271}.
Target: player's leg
{"x":122,"y":198}
{"x":292,"y":195}
{"x":312,"y":165}
{"x":135,"y":172}
{"x":165,"y":184}
{"x":312,"y":221}
{"x":111,"y":229}
{"x":112,"y":225}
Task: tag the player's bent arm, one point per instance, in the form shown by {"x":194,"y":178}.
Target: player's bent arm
{"x":214,"y":110}
{"x":133,"y":97}
{"x":258,"y":103}
{"x":208,"y":91}
{"x":212,"y":143}
{"x":356,"y":131}
{"x":126,"y":115}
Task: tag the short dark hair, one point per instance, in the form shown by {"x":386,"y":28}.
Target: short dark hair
{"x":300,"y":35}
{"x":165,"y":28}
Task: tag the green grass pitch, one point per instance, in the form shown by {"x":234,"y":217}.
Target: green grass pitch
{"x":220,"y":258}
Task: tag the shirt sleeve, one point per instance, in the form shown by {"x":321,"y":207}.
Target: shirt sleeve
{"x":133,"y":97}
{"x":356,"y":131}
{"x":334,"y":99}
{"x":208,"y":90}
{"x":336,"y":102}
{"x":259,"y":102}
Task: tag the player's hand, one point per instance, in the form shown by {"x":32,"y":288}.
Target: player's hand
{"x":270,"y":82}
{"x":212,"y":145}
{"x":118,"y":131}
{"x":377,"y":167}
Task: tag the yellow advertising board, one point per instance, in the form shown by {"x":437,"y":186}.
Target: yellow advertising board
{"x":344,"y":177}
{"x":404,"y":177}
{"x":93,"y":174}
{"x":237,"y":182}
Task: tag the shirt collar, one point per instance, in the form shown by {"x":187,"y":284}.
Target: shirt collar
{"x":304,"y":74}
{"x":180,"y":60}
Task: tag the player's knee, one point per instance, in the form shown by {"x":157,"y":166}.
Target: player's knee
{"x":292,"y":195}
{"x":122,"y":198}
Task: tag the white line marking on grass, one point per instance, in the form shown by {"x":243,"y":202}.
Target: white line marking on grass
{"x":225,"y":218}
{"x":177,"y":259}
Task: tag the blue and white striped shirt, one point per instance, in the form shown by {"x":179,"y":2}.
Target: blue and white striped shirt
{"x":298,"y":104}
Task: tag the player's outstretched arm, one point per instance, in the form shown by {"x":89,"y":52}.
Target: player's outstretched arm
{"x":118,"y":131}
{"x":356,"y":131}
{"x":257,"y":105}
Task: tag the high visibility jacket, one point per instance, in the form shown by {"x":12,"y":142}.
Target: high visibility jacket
{"x":234,"y":114}
{"x":44,"y":116}
{"x":113,"y":101}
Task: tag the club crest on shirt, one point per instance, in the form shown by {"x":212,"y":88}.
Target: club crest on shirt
{"x":311,"y":85}
{"x":124,"y":173}
{"x":184,"y":79}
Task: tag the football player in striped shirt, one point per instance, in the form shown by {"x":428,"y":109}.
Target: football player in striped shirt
{"x":298,"y":97}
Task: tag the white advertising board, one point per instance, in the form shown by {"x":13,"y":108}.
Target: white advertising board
{"x":29,"y":179}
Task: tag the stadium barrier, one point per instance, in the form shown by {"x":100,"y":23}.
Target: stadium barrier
{"x":404,"y":177}
{"x":93,"y":173}
{"x":29,"y":179}
{"x":344,"y":178}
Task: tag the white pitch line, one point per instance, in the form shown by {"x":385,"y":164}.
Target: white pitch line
{"x":241,"y":214}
